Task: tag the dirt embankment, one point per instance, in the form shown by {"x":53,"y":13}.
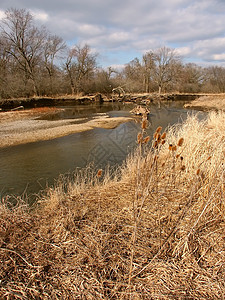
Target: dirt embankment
{"x":36,"y":102}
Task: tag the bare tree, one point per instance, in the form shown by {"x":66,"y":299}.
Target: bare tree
{"x":4,"y":62}
{"x":69,"y":70}
{"x":80,"y":66}
{"x":133,"y":74}
{"x":104,"y":80}
{"x":52,"y":47}
{"x":157,"y":70}
{"x":191,"y":78}
{"x":165,"y":61}
{"x":25,"y":42}
{"x":148,"y":66}
{"x":216,"y":78}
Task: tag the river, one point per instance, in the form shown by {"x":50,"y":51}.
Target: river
{"x":28,"y":169}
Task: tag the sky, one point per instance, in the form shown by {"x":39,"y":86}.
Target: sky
{"x":121,"y":30}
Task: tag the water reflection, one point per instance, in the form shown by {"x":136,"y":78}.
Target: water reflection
{"x":29,"y":168}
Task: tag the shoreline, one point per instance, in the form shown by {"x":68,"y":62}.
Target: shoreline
{"x":44,"y":101}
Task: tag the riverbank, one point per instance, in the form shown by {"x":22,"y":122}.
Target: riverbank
{"x":208,"y":102}
{"x":145,"y":98}
{"x":156,"y":230}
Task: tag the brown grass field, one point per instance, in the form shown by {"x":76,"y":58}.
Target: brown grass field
{"x":156,"y":230}
{"x":214,"y":101}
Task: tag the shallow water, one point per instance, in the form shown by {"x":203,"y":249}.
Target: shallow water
{"x":29,"y":168}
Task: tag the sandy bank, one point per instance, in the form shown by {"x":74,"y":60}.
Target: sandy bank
{"x":209,"y":102}
{"x":23,"y":127}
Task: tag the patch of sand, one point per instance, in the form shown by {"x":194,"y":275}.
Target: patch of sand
{"x":22,"y":127}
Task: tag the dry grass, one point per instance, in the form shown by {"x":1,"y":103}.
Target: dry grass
{"x":155,"y":231}
{"x":214,"y":101}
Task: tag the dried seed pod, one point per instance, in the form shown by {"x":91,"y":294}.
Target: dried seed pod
{"x":139,"y":138}
{"x":158,"y":137}
{"x":198,"y":171}
{"x":155,"y":144}
{"x":99,"y":173}
{"x":163,"y":135}
{"x":144,"y":124}
{"x":180,"y":142}
{"x":146,"y":140}
{"x":158,"y":129}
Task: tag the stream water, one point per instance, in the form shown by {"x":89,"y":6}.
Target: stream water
{"x":27,"y":169}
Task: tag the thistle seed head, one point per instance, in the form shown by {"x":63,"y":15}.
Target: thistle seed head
{"x":144,"y":124}
{"x":158,"y":129}
{"x":99,"y":173}
{"x":163,"y":136}
{"x":180,"y":142}
{"x":139,"y":138}
{"x":146,"y":140}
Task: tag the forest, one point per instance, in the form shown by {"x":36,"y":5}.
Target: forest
{"x":33,"y":62}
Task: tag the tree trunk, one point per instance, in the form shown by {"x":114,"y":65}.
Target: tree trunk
{"x":160,"y":89}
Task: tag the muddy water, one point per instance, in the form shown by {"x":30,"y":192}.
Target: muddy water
{"x":27,"y":169}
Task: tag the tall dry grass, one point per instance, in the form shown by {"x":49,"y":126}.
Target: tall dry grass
{"x":155,"y":231}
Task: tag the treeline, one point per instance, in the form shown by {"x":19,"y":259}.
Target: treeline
{"x":33,"y":62}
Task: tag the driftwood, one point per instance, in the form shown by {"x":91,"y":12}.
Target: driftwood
{"x":118,"y":90}
{"x":98,"y":98}
{"x":140,"y":110}
{"x":17,"y":108}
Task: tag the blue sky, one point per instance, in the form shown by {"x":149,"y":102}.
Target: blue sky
{"x":120,"y":30}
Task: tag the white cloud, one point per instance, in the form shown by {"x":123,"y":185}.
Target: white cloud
{"x":2,"y":14}
{"x":183,"y":51}
{"x":219,"y":56}
{"x":40,"y":16}
{"x":194,"y":28}
{"x":117,"y":68}
{"x":89,"y":29}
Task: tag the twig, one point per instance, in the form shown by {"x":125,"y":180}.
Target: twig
{"x":14,"y":252}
